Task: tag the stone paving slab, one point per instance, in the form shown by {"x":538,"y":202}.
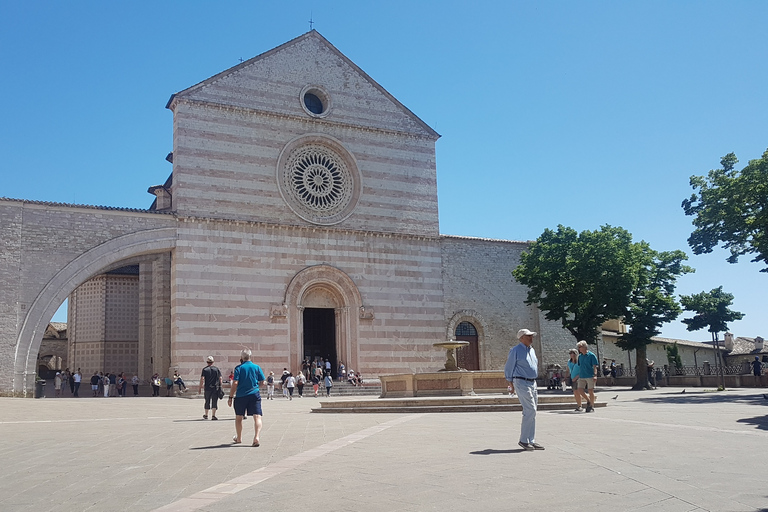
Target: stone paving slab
{"x":659,"y":450}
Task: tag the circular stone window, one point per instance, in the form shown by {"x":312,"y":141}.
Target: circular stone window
{"x":315,"y":101}
{"x":318,"y":180}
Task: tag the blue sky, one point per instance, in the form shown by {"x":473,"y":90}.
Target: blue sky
{"x":574,"y":113}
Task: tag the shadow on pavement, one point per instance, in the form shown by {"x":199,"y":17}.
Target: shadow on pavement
{"x":491,"y":451}
{"x":227,"y":445}
{"x":760,"y":422}
{"x":708,"y":397}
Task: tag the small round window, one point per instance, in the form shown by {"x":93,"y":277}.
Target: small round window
{"x":315,"y":101}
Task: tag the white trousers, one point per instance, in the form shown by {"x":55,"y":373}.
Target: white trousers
{"x":529,"y":399}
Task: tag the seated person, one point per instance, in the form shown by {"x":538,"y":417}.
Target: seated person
{"x":351,"y":377}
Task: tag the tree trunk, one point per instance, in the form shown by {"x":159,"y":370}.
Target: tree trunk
{"x":641,"y":370}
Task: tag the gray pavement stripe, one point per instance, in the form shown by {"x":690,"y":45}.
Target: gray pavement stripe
{"x":689,"y":427}
{"x":88,"y":420}
{"x":240,"y":483}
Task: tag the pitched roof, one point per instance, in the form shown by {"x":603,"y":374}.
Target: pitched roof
{"x":315,"y":35}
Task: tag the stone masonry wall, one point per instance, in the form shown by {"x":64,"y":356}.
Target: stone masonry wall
{"x":37,"y":241}
{"x":477,"y":277}
{"x":228,"y":275}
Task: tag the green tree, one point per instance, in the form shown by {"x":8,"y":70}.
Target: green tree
{"x":652,"y":303}
{"x":731,"y":207}
{"x":580,"y":280}
{"x":711,"y":311}
{"x":673,"y":355}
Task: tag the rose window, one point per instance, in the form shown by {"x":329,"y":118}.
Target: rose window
{"x":317,"y":183}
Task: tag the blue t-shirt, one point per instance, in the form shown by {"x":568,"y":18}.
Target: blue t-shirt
{"x":248,"y":376}
{"x":574,"y":368}
{"x":587,"y":363}
{"x":521,"y":362}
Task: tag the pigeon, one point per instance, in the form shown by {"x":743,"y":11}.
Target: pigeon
{"x":683,"y":391}
{"x":614,"y":398}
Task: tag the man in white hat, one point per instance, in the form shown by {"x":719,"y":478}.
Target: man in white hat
{"x":521,"y":371}
{"x":210,"y":379}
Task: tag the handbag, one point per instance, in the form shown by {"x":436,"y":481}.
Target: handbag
{"x":221,"y":393}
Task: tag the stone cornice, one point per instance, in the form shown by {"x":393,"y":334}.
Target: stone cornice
{"x":51,"y":204}
{"x":297,"y":227}
{"x":314,"y":122}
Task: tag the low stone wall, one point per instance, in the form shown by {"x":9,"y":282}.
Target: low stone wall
{"x":693,"y":381}
{"x":460,"y":383}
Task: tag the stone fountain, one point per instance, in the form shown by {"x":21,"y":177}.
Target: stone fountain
{"x":447,"y":381}
{"x":450,"y":347}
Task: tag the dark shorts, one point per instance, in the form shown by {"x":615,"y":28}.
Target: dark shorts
{"x":248,"y":403}
{"x":211,"y":398}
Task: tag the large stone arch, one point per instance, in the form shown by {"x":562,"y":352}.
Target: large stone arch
{"x":324,"y":280}
{"x":473,"y":317}
{"x":92,"y":262}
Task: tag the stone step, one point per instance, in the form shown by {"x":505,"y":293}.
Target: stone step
{"x":444,"y":404}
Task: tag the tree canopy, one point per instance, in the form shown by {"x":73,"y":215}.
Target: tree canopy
{"x":652,"y":302}
{"x":711,"y":310}
{"x":580,"y":279}
{"x":731,"y":207}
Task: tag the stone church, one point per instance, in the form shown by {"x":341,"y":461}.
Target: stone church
{"x":300,"y":220}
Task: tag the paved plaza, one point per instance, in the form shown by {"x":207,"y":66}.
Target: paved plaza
{"x":657,"y":450}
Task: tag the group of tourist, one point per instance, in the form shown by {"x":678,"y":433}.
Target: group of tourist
{"x":67,"y":379}
{"x":583,"y":367}
{"x":113,"y":384}
{"x":521,"y":372}
{"x":244,"y":393}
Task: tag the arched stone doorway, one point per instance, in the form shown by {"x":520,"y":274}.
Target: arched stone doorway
{"x":322,"y":303}
{"x":467,"y":325}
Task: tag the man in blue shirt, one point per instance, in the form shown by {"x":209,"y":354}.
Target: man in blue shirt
{"x":521,"y":371}
{"x":245,"y":391}
{"x":588,"y":366}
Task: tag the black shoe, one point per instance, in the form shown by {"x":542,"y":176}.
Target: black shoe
{"x":536,"y":446}
{"x":525,"y":446}
{"x":590,"y":408}
{"x":214,"y":418}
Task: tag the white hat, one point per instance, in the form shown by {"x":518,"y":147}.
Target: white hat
{"x":525,"y":332}
{"x":209,"y":359}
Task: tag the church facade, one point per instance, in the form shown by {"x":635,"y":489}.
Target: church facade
{"x":300,"y":220}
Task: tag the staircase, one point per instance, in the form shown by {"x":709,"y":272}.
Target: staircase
{"x":487,"y":403}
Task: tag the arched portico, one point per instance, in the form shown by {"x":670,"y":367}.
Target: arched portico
{"x":64,"y":282}
{"x":330,"y":287}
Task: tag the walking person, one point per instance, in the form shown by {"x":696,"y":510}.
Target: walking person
{"x":521,"y":371}
{"x":290,"y":383}
{"x":57,"y":384}
{"x":68,"y":380}
{"x":270,"y":386}
{"x":106,"y":385}
{"x":757,"y":370}
{"x":245,"y":393}
{"x":300,"y":381}
{"x":573,"y":369}
{"x":283,"y":378}
{"x":95,"y":383}
{"x":315,"y":383}
{"x":210,"y":384}
{"x":156,"y":385}
{"x":135,"y":384}
{"x":588,"y":368}
{"x":328,"y":384}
